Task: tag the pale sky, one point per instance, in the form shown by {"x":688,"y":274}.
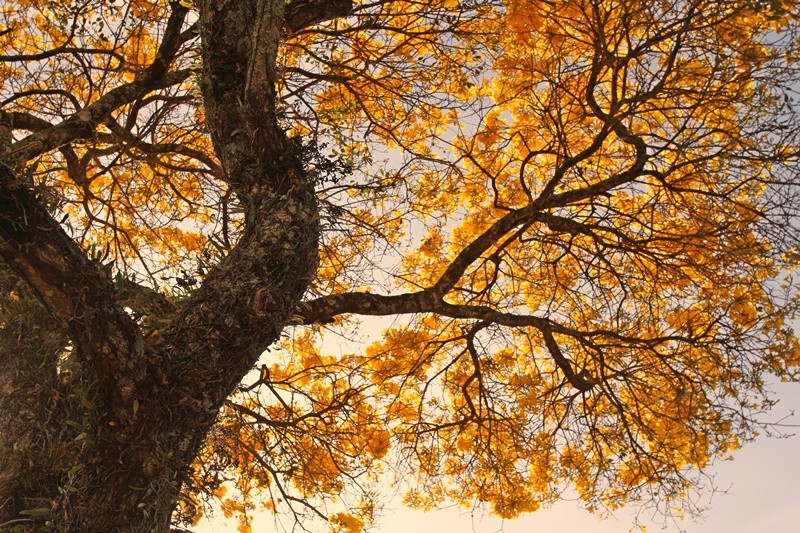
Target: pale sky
{"x":763,"y":495}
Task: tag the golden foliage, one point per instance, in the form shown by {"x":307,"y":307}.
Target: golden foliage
{"x":617,"y":175}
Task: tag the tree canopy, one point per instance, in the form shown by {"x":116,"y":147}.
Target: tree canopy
{"x":580,"y":217}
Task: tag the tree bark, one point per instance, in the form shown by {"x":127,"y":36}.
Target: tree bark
{"x":31,"y":395}
{"x":126,"y":425}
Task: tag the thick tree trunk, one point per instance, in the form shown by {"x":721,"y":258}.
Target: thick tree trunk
{"x":99,"y":425}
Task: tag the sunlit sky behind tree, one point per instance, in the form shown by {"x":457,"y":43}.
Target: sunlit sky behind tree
{"x":581,"y":97}
{"x":579,"y":215}
{"x":758,"y":492}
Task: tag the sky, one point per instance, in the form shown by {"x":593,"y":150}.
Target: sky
{"x":761,"y":495}
{"x":762,"y":485}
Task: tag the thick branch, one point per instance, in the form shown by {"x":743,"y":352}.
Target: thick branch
{"x":581,"y":381}
{"x":67,"y":282}
{"x":245,"y":301}
{"x":72,"y":288}
{"x":323,"y":310}
{"x":301,"y":14}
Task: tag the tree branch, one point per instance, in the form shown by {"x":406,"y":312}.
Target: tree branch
{"x":83,"y":123}
{"x":300,"y":14}
{"x":582,"y":381}
{"x":73,"y":289}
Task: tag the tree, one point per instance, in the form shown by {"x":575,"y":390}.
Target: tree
{"x":582,"y":212}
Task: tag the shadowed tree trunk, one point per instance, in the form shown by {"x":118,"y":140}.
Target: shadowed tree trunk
{"x":133,"y":412}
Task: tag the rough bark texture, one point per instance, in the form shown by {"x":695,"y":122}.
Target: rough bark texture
{"x":99,"y":436}
{"x":31,"y":398}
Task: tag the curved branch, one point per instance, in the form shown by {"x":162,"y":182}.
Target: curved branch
{"x":24,"y":121}
{"x":582,"y":381}
{"x":56,"y":92}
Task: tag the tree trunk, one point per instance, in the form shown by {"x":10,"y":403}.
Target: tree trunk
{"x":108,"y":446}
